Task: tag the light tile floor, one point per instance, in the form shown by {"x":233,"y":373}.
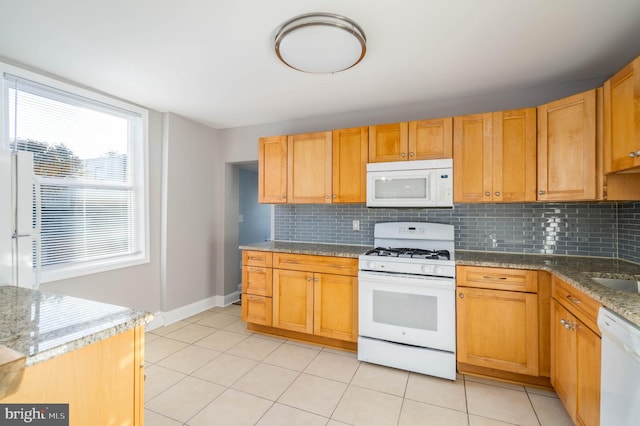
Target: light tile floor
{"x":209,"y":370}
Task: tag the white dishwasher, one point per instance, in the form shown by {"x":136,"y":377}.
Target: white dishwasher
{"x":620,"y":382}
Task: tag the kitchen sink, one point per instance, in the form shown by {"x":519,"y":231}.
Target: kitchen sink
{"x":630,"y":286}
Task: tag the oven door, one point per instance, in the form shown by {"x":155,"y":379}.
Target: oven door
{"x":409,"y":309}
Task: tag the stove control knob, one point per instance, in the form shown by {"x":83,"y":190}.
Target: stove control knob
{"x":427,"y":269}
{"x":371,"y":265}
{"x":437,"y":270}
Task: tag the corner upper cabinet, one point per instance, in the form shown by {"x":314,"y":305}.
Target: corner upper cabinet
{"x":622,"y":119}
{"x":309,"y":168}
{"x":567,"y":169}
{"x":495,"y":156}
{"x":350,"y":156}
{"x":272,"y":170}
{"x":388,"y":142}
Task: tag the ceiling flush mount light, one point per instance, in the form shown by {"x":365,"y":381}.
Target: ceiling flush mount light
{"x":320,"y":43}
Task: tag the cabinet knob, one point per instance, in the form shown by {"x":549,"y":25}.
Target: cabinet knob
{"x":282,"y":197}
{"x":632,"y":154}
{"x":638,"y":153}
{"x":497,"y":193}
{"x":541,"y":192}
{"x":488,"y":194}
{"x":403,"y":154}
{"x":411,"y":154}
{"x":461,"y":295}
{"x":335,"y":196}
{"x":566,"y":324}
{"x":308,"y":278}
{"x":326,"y":197}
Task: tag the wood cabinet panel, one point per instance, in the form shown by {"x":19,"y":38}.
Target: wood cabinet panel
{"x":257,"y":280}
{"x":498,"y":329}
{"x":313,"y":263}
{"x":622,"y":119}
{"x":272,"y":170}
{"x":567,"y":148}
{"x":293,"y":300}
{"x":498,"y":278}
{"x":588,"y":352}
{"x":335,"y":306}
{"x":472,"y":135}
{"x":388,"y":142}
{"x":257,"y":258}
{"x":309,"y":162}
{"x":563,"y":358}
{"x":514,"y":155}
{"x":257,"y":309}
{"x":350,"y":156}
{"x":431,"y":139}
{"x":100,"y":381}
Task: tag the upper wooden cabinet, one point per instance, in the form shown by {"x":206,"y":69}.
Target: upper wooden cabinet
{"x":431,"y":139}
{"x":567,"y":149}
{"x":350,"y":155}
{"x":495,"y":157}
{"x":388,"y":142}
{"x":272,"y":169}
{"x":622,"y":119}
{"x":309,"y":165}
{"x":416,"y":140}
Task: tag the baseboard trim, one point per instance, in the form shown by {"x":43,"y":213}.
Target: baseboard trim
{"x":169,"y":317}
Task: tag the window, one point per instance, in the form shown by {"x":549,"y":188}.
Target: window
{"x":89,"y":158}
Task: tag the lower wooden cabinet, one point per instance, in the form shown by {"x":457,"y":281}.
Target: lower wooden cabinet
{"x":502,"y":323}
{"x":575,"y":353}
{"x":314,"y":296}
{"x":103,"y":383}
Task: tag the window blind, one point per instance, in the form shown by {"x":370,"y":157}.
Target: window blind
{"x":89,"y":160}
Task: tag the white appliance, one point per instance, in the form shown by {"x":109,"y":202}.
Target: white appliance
{"x":422,"y":183}
{"x":406,"y":299}
{"x":19,"y":220}
{"x":620,"y":372}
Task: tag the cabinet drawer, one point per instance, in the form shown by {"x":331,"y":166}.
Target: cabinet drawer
{"x":578,"y":303}
{"x":498,"y":278}
{"x":257,"y":309}
{"x":257,"y":258}
{"x":312,"y":263}
{"x":257,"y":280}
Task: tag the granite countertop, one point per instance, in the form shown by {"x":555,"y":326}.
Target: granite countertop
{"x":575,"y":270}
{"x":44,"y":325}
{"x":320,"y":249}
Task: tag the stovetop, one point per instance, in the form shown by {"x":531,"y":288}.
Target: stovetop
{"x":414,"y":253}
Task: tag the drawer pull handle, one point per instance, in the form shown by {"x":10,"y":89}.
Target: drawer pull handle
{"x":573,"y":299}
{"x":487,"y":277}
{"x":331,"y":265}
{"x":566,"y":324}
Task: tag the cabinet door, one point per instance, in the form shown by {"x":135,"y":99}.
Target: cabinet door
{"x":335,"y":307}
{"x":388,"y":142}
{"x":567,"y":148}
{"x":429,"y":139}
{"x":622,"y":119}
{"x":272,"y":170}
{"x":588,"y":369}
{"x":514,"y":155}
{"x":257,"y":309}
{"x":564,"y":348}
{"x":293,"y":300}
{"x":498,"y":329}
{"x":472,"y":157}
{"x":350,"y":156}
{"x":309,"y":168}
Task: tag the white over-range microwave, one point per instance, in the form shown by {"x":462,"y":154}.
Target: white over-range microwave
{"x":421,"y":183}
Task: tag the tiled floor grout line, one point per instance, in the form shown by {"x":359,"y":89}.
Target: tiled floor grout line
{"x":319,"y":349}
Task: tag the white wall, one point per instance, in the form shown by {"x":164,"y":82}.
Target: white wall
{"x":191,"y":197}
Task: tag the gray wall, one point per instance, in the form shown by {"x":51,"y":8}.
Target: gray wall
{"x":256,"y":218}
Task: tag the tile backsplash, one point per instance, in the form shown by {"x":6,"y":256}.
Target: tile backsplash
{"x":583,"y":229}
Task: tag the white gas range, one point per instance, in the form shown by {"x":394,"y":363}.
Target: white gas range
{"x":406,"y":299}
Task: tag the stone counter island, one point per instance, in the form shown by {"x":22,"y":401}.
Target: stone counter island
{"x":57,"y":349}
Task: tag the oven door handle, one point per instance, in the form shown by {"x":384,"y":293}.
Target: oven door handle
{"x":406,"y":279}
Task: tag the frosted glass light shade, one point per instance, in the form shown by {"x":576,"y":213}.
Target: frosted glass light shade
{"x":320,"y":43}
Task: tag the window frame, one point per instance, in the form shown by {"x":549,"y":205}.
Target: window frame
{"x":61,"y":272}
